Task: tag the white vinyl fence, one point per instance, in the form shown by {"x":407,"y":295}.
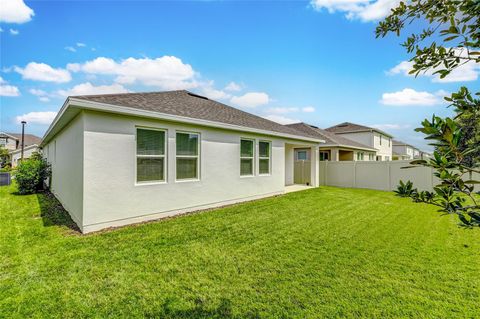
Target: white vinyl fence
{"x":377,"y":175}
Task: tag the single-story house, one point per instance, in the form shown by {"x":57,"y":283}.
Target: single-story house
{"x":336,"y":147}
{"x":119,"y":159}
{"x":13,"y":143}
{"x":370,"y":136}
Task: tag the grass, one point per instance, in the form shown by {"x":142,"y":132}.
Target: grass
{"x":325,"y":252}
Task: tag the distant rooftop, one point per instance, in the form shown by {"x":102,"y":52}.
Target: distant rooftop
{"x":348,"y":127}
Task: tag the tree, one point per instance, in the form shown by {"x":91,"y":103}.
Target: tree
{"x":450,"y":39}
{"x":4,"y":156}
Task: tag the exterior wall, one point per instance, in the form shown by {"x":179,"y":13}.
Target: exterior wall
{"x":113,"y":198}
{"x":10,"y":143}
{"x":289,"y":164}
{"x":366,"y":138}
{"x":377,"y":175}
{"x":65,"y":153}
{"x":27,"y":152}
{"x":384,"y":149}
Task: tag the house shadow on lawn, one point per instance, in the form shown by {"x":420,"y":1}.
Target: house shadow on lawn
{"x":53,"y":213}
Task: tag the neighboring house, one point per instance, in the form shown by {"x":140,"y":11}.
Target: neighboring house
{"x":372,"y":137}
{"x":404,"y":151}
{"x":13,"y":142}
{"x":336,"y":147}
{"x":119,"y":159}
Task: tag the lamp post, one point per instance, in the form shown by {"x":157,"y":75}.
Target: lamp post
{"x":23,"y":138}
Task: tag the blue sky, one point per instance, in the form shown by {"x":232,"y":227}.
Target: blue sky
{"x":317,"y":62}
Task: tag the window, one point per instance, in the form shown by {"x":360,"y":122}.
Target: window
{"x":360,"y":156}
{"x":380,"y":139}
{"x":324,"y":156}
{"x":389,"y":141}
{"x":150,"y":155}
{"x":371,"y":157}
{"x":246,"y":157}
{"x":3,"y":141}
{"x":187,"y":155}
{"x":302,"y":155}
{"x":264,"y":157}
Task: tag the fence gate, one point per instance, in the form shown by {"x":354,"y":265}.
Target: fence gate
{"x":302,"y":167}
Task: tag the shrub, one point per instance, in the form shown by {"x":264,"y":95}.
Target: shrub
{"x":31,"y":174}
{"x":405,"y":189}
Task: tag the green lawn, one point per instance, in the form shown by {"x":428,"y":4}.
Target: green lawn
{"x":325,"y":252}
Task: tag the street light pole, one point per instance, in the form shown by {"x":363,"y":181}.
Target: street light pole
{"x":23,"y":138}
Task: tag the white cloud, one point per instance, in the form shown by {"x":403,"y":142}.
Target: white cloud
{"x":88,"y":89}
{"x":71,"y":49}
{"x":43,"y":118}
{"x":233,"y":87}
{"x":8,"y":90}
{"x":167,"y":72}
{"x":209,"y":91}
{"x":283,"y":110}
{"x":281,"y":119}
{"x":81,"y":45}
{"x":410,"y":97}
{"x":43,"y":72}
{"x":466,"y":72}
{"x":14,"y":32}
{"x":385,"y":127}
{"x":251,"y":99}
{"x":41,"y":94}
{"x":15,"y":11}
{"x":308,"y":109}
{"x":364,"y":10}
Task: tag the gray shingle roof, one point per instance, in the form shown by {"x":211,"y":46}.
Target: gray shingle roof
{"x":348,"y":127}
{"x":29,"y":139}
{"x":190,"y":105}
{"x":330,"y":138}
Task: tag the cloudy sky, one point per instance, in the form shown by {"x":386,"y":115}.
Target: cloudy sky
{"x":313,"y":61}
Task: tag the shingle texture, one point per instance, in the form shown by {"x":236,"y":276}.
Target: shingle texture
{"x":186,"y":104}
{"x":29,"y":139}
{"x":328,"y":137}
{"x":347,"y":127}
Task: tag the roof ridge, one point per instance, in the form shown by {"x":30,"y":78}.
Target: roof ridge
{"x":131,"y":93}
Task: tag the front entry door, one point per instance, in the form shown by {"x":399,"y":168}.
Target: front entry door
{"x":302,"y":166}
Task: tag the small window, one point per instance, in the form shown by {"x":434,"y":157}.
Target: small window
{"x":389,"y":141}
{"x":324,"y":156}
{"x":3,"y":141}
{"x":246,"y":157}
{"x":301,"y":155}
{"x":360,"y":156}
{"x":187,"y":155}
{"x":380,"y":139}
{"x":150,"y":155}
{"x":371,"y":157}
{"x":264,"y":157}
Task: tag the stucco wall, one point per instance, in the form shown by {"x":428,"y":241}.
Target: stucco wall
{"x":113,"y":198}
{"x":385,"y":148}
{"x":65,"y":153}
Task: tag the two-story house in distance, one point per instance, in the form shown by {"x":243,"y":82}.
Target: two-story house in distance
{"x":372,"y":137}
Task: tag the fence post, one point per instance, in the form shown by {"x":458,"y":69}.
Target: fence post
{"x":354,"y":174}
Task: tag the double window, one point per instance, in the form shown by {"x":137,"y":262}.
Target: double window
{"x":324,"y":155}
{"x":151,"y":163}
{"x":247,"y":156}
{"x":187,"y":156}
{"x":360,"y":156}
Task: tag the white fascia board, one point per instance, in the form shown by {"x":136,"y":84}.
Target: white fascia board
{"x":350,"y":147}
{"x":111,"y":108}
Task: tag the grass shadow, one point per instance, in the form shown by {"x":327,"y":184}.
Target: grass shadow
{"x":53,"y":213}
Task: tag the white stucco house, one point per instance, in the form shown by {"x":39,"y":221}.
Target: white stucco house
{"x":372,"y":137}
{"x":119,"y":159}
{"x":404,"y":151}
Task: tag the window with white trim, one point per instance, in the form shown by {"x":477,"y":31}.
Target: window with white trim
{"x":187,"y":155}
{"x":302,"y":155}
{"x":151,"y":163}
{"x":247,"y":154}
{"x":324,"y":155}
{"x":264,"y":155}
{"x":360,"y":156}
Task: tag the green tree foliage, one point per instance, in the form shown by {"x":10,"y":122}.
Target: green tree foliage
{"x":31,"y":174}
{"x":4,"y":157}
{"x":450,"y":38}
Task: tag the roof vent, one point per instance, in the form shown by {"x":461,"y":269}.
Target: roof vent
{"x":196,"y":95}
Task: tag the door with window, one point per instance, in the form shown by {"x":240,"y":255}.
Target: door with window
{"x":301,"y":166}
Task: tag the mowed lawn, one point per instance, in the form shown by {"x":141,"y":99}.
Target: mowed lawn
{"x":325,"y":252}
